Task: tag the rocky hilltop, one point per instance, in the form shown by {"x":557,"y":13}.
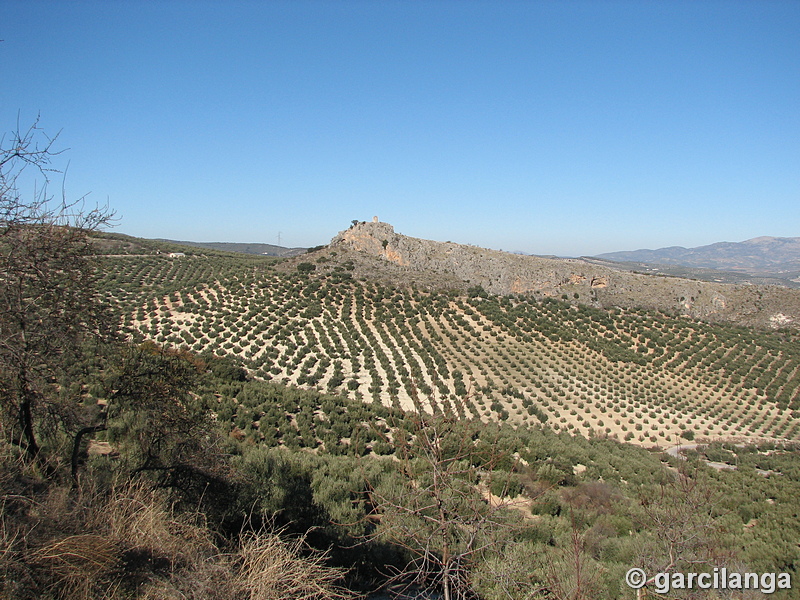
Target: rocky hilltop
{"x":576,"y":280}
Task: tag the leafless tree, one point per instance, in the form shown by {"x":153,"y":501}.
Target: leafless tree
{"x":569,"y":572}
{"x":685,"y":517}
{"x":440,"y":509}
{"x":48,"y":305}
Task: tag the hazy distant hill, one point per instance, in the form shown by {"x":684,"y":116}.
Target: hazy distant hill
{"x":243,"y":248}
{"x":760,"y":256}
{"x":790,"y":279}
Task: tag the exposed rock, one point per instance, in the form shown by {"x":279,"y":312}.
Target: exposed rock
{"x":780,"y":320}
{"x":576,"y":280}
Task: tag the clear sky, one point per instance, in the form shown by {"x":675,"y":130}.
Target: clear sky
{"x":563,"y":128}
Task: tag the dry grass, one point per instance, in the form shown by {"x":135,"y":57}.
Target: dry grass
{"x":273,"y":569}
{"x":131,"y":543}
{"x":141,"y":518}
{"x":76,"y":564}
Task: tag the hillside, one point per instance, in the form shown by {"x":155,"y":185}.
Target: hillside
{"x":635,"y":374}
{"x":758,"y":256}
{"x":380,"y":253}
{"x":172,"y":471}
{"x":791,"y":279}
{"x":118,"y":243}
{"x":244,"y":248}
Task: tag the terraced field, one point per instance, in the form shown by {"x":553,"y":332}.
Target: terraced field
{"x":645,"y":377}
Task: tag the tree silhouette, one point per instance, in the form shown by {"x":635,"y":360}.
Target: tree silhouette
{"x":48,"y":304}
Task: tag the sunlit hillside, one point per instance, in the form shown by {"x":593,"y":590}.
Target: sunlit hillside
{"x":640,"y":376}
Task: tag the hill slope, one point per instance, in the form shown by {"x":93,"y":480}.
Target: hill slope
{"x":253,"y":248}
{"x":380,"y":253}
{"x":634,"y":374}
{"x":758,"y":256}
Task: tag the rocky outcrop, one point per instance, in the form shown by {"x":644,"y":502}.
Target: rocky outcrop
{"x":576,"y":280}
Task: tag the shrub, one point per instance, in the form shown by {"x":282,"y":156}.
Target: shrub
{"x":306,"y":267}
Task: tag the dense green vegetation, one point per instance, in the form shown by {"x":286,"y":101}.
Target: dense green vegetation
{"x":269,"y":432}
{"x":321,"y":465}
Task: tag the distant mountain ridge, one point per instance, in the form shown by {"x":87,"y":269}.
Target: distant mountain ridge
{"x":243,"y":248}
{"x":757,"y":256}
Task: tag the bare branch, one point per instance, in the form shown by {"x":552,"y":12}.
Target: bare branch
{"x":436,"y":508}
{"x":47,"y":301}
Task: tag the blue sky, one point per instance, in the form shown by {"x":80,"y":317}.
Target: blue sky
{"x":563,"y":128}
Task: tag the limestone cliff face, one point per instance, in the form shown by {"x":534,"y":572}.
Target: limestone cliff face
{"x":579,"y":280}
{"x":374,"y":238}
{"x":497,"y":272}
